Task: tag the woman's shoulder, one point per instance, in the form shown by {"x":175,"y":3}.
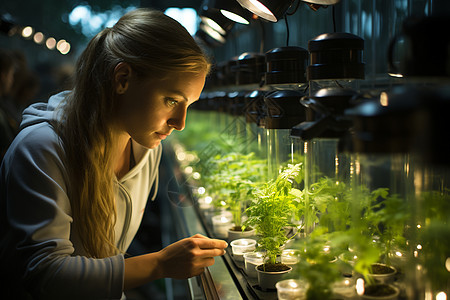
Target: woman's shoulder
{"x":38,"y":143}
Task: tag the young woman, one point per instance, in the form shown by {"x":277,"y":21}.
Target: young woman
{"x":76,"y":179}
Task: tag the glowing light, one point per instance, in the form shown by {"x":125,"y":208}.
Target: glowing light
{"x":447,"y":264}
{"x":395,"y":75}
{"x":212,"y":33}
{"x":384,"y":99}
{"x":27,"y":31}
{"x":66,"y":49}
{"x":201,"y":190}
{"x":398,"y":254}
{"x":63,"y":46}
{"x":419,"y":247}
{"x":360,"y":286}
{"x":208,"y":199}
{"x":38,"y":37}
{"x":181,"y":156}
{"x":196,"y":175}
{"x":223,"y":203}
{"x":293,"y":284}
{"x":441,"y":296}
{"x":326,"y":248}
{"x":188,"y":170}
{"x":50,"y":43}
{"x":259,"y":9}
{"x":234,"y":17}
{"x":419,"y":226}
{"x":224,"y":219}
{"x":211,"y":23}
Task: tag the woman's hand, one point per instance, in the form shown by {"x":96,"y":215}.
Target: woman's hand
{"x":190,"y":256}
{"x":183,"y":259}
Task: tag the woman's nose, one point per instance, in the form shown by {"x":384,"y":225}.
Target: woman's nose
{"x":178,"y":120}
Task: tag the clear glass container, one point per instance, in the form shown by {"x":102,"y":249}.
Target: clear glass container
{"x":283,"y":111}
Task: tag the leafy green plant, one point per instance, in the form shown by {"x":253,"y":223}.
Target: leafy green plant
{"x":318,"y":264}
{"x":231,"y":179}
{"x":434,"y":235}
{"x":272,"y":209}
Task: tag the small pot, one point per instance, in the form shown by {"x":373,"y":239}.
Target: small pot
{"x":239,"y":234}
{"x":385,"y":277}
{"x":375,"y":288}
{"x":241,"y":246}
{"x":291,"y":289}
{"x":268,"y":280}
{"x":251,"y":261}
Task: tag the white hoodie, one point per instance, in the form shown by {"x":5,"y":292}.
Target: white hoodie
{"x":40,"y":256}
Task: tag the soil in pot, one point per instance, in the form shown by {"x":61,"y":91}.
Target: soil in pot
{"x":239,"y":228}
{"x":278,"y":267}
{"x":270,"y":274}
{"x":381,"y":269}
{"x":382,"y":273}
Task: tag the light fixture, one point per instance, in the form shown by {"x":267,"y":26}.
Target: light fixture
{"x":337,"y":55}
{"x":322,"y":2}
{"x":214,"y":19}
{"x":316,"y":4}
{"x":215,"y":35}
{"x":267,"y":9}
{"x":232,"y":10}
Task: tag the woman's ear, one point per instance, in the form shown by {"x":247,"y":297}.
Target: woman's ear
{"x":122,"y":76}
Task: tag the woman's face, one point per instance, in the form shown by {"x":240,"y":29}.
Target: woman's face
{"x":150,"y":109}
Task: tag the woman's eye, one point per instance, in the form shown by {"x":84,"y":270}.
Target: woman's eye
{"x":171,"y":102}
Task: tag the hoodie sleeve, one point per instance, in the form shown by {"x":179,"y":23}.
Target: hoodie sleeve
{"x":35,"y":235}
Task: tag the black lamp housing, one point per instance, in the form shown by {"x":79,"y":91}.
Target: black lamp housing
{"x":336,"y":55}
{"x":267,"y":9}
{"x":213,"y":18}
{"x":286,"y":65}
{"x":232,"y":10}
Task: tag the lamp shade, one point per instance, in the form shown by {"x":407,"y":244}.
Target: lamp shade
{"x":232,"y":10}
{"x":267,"y":9}
{"x":214,"y":19}
{"x":322,"y":2}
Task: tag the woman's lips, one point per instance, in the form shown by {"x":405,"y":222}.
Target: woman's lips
{"x":162,"y":136}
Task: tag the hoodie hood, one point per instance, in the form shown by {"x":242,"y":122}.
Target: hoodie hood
{"x":44,"y":112}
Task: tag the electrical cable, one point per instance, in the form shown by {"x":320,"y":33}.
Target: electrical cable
{"x":333,"y":11}
{"x":287,"y":30}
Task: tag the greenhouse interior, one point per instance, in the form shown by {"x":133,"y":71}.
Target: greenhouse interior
{"x":317,"y":150}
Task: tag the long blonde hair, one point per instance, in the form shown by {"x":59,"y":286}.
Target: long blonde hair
{"x":152,"y":44}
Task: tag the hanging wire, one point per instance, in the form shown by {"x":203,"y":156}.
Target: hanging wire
{"x":287,"y":30}
{"x":333,"y":10}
